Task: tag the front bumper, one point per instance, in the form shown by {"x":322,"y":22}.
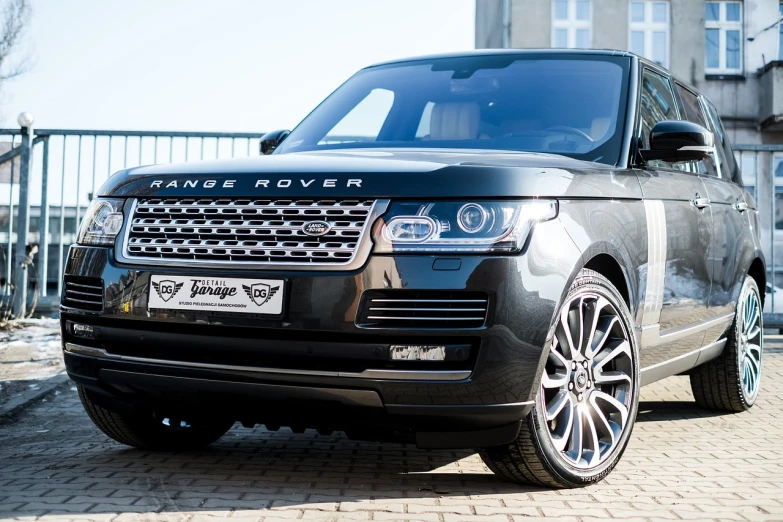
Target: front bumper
{"x":315,"y":367}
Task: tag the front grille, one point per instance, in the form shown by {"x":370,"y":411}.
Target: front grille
{"x":85,"y":293}
{"x":246,"y":230}
{"x":423,"y":309}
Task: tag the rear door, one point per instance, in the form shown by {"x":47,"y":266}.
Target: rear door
{"x":679,"y":228}
{"x":730,"y":224}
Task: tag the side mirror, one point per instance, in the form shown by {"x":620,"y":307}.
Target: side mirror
{"x":271,"y":140}
{"x":676,"y":140}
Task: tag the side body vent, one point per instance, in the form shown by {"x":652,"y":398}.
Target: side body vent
{"x":85,"y":293}
{"x":417,"y":309}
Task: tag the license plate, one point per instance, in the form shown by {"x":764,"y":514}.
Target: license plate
{"x":216,"y":294}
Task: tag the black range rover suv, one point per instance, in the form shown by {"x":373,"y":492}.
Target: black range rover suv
{"x":491,"y":250}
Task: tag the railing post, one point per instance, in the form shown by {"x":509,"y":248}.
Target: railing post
{"x":43,"y":222}
{"x":20,"y":274}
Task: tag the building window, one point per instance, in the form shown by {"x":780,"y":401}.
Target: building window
{"x":723,"y":42}
{"x":749,"y":162}
{"x":572,"y":24}
{"x":648,"y":33}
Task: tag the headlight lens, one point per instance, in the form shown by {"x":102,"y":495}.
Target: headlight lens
{"x":101,"y":223}
{"x":460,"y":226}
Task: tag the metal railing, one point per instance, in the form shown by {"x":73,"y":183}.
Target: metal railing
{"x":762,"y":173}
{"x":54,"y":173}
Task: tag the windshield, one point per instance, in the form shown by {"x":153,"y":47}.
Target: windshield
{"x":564,"y":104}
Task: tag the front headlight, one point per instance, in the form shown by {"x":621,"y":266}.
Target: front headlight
{"x":460,"y":226}
{"x":101,"y":223}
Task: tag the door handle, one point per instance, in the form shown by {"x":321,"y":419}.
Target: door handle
{"x":741,"y":206}
{"x":700,"y":202}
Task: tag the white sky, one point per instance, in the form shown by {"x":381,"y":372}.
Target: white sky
{"x":213,"y":65}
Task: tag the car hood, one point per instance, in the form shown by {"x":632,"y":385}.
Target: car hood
{"x":377,"y":173}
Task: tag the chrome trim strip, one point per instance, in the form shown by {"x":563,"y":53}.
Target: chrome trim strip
{"x":428,"y":300}
{"x":98,"y":301}
{"x":656,"y":261}
{"x":364,"y":246}
{"x":400,"y":375}
{"x":674,"y":334}
{"x":379,"y":317}
{"x":679,"y":364}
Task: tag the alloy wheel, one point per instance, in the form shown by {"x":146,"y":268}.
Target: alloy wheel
{"x":587,"y":386}
{"x":751,"y":344}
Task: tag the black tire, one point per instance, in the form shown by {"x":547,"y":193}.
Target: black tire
{"x":533,"y":458}
{"x":718,"y":384}
{"x":145,"y":431}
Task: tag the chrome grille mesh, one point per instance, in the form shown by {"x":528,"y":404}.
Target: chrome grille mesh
{"x":245,"y":230}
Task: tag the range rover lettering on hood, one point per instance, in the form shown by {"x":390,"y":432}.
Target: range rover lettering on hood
{"x":261,"y":183}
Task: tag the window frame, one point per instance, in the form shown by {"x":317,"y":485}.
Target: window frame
{"x":571,"y":25}
{"x":648,"y":27}
{"x":723,"y":26}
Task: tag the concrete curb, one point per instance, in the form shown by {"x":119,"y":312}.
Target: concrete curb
{"x":29,"y":397}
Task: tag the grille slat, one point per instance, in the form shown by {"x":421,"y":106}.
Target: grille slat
{"x":85,"y":293}
{"x":423,"y":309}
{"x":246,"y":230}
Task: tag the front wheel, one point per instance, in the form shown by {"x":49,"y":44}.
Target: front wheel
{"x":152,"y":432}
{"x":588,"y":398}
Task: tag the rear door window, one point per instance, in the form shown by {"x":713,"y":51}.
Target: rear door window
{"x":656,"y":104}
{"x":691,"y":108}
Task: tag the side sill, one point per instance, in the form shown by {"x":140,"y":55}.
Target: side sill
{"x":392,"y":375}
{"x":682,"y":363}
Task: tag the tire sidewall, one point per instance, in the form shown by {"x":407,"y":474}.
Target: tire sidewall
{"x":588,"y":281}
{"x":749,"y":286}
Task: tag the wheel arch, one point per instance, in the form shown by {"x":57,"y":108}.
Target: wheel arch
{"x":610,"y":268}
{"x":758,"y":272}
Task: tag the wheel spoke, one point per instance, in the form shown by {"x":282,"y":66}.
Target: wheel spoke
{"x":556,"y":405}
{"x":611,"y":353}
{"x":754,"y":366}
{"x":753,"y":316}
{"x":755,"y":349}
{"x":621,"y":408}
{"x":577,"y":436}
{"x":611,"y":428}
{"x":558,"y":359}
{"x":592,"y":319}
{"x":612,"y":377}
{"x":563,"y":334}
{"x":592,"y":434}
{"x":561,"y":441}
{"x":753,"y":333}
{"x":554,"y":380}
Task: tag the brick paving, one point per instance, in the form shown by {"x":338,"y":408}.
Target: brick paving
{"x":683,"y":463}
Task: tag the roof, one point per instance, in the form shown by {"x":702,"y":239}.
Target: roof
{"x":501,"y":52}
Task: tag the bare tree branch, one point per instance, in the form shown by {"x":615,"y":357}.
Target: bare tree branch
{"x":14,"y":19}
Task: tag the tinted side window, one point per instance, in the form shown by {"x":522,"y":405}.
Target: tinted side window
{"x":656,"y":104}
{"x":723,"y":139}
{"x":691,"y":106}
{"x":692,"y":112}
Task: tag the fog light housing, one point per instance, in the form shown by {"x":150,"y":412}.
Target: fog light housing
{"x":85,"y":331}
{"x":406,"y":352}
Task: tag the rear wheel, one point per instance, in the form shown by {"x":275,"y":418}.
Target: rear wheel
{"x":588,"y":397}
{"x":151,"y":432}
{"x":731,"y":382}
